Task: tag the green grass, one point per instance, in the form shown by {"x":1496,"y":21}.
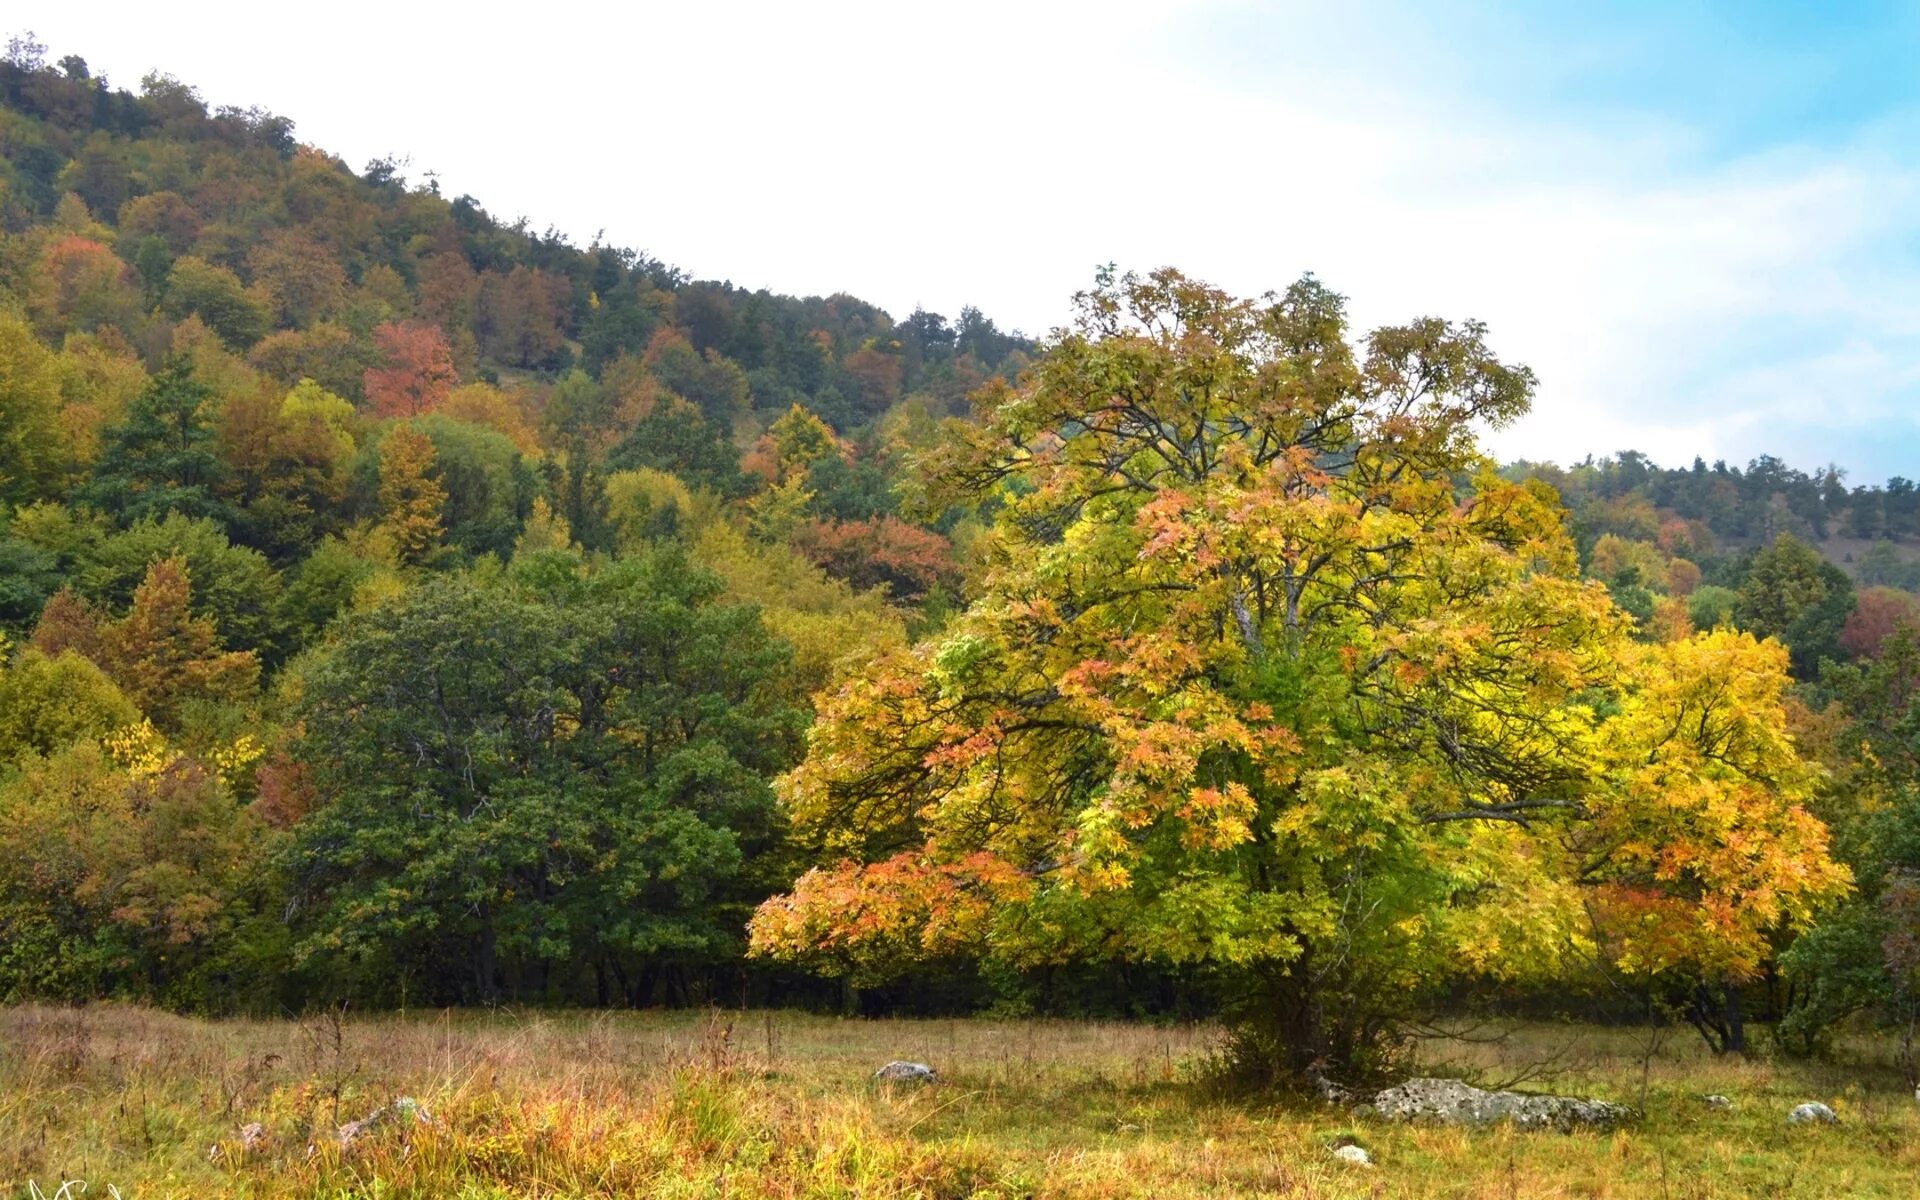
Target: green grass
{"x":778,"y":1105}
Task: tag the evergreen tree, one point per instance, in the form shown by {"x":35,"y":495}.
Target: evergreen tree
{"x":163,"y":456}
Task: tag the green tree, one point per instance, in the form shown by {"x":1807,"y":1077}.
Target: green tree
{"x":235,"y":587}
{"x":162,"y":457}
{"x":558,"y":774}
{"x":216,"y":296}
{"x":1711,"y":606}
{"x":1793,"y":594}
{"x":320,"y":589}
{"x":711,"y":383}
{"x":673,"y":437}
{"x":489,"y":487}
{"x":1852,"y":962}
{"x":29,"y":574}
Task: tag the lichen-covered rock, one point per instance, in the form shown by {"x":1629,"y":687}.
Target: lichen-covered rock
{"x":1452,"y":1102}
{"x":1812,"y":1113}
{"x":1328,"y":1090}
{"x":905,"y":1072}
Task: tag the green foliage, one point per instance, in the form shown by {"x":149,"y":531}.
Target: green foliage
{"x":537,"y":774}
{"x":161,"y":458}
{"x":233,"y":586}
{"x":1784,"y":582}
{"x":673,"y":437}
{"x":1884,"y":566}
{"x":29,"y":574}
{"x":1835,"y":970}
{"x":1712,"y":606}
{"x":489,"y":488}
{"x":1854,"y":961}
{"x":320,"y":589}
{"x":195,"y":287}
{"x":117,"y":881}
{"x":623,"y":322}
{"x":48,"y":703}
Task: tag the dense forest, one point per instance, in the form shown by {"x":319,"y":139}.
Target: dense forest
{"x":404,"y":606}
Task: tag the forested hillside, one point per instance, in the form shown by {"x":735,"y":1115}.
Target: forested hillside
{"x":1827,"y":569}
{"x":405,"y":606}
{"x":245,"y":392}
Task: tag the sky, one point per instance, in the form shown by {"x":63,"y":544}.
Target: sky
{"x":1697,"y":222}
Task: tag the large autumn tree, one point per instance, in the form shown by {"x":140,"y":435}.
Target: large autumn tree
{"x":1270,"y":676}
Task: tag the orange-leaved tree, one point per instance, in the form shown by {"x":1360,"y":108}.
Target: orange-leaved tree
{"x":1271,"y":675}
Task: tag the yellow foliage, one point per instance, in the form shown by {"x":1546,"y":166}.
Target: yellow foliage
{"x":140,"y":750}
{"x":411,"y":498}
{"x":825,"y":621}
{"x":487,"y":406}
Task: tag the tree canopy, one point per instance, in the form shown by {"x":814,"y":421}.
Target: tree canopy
{"x":1269,"y":672}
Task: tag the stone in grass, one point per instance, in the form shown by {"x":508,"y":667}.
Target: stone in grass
{"x":252,"y":1135}
{"x":1717,"y":1101}
{"x":1357,"y":1155}
{"x":1812,"y":1113}
{"x":405,"y":1110}
{"x":1349,"y":1151}
{"x":905,"y":1072}
{"x":1453,"y":1102}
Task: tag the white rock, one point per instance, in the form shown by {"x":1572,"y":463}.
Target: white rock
{"x":905,"y":1072}
{"x":1452,"y":1102}
{"x":1357,"y":1155}
{"x":1811,"y":1113}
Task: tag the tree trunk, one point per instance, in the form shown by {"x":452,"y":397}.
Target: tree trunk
{"x":1735,"y":1021}
{"x":1718,"y":1018}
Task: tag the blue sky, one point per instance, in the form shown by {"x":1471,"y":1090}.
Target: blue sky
{"x":1697,"y":222}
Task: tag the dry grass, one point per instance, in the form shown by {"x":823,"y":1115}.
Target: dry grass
{"x":778,"y":1105}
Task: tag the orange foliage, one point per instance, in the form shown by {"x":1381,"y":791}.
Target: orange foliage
{"x":79,"y":284}
{"x":490,"y":408}
{"x":1877,"y":612}
{"x":1682,"y":577}
{"x":418,"y":373}
{"x":877,"y":376}
{"x":880,"y":552}
{"x":1669,"y":622}
{"x":286,"y":791}
{"x":68,"y":623}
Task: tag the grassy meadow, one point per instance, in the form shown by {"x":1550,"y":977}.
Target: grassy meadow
{"x":774,"y":1104}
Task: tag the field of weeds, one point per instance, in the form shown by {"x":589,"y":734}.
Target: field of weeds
{"x":774,"y":1104}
